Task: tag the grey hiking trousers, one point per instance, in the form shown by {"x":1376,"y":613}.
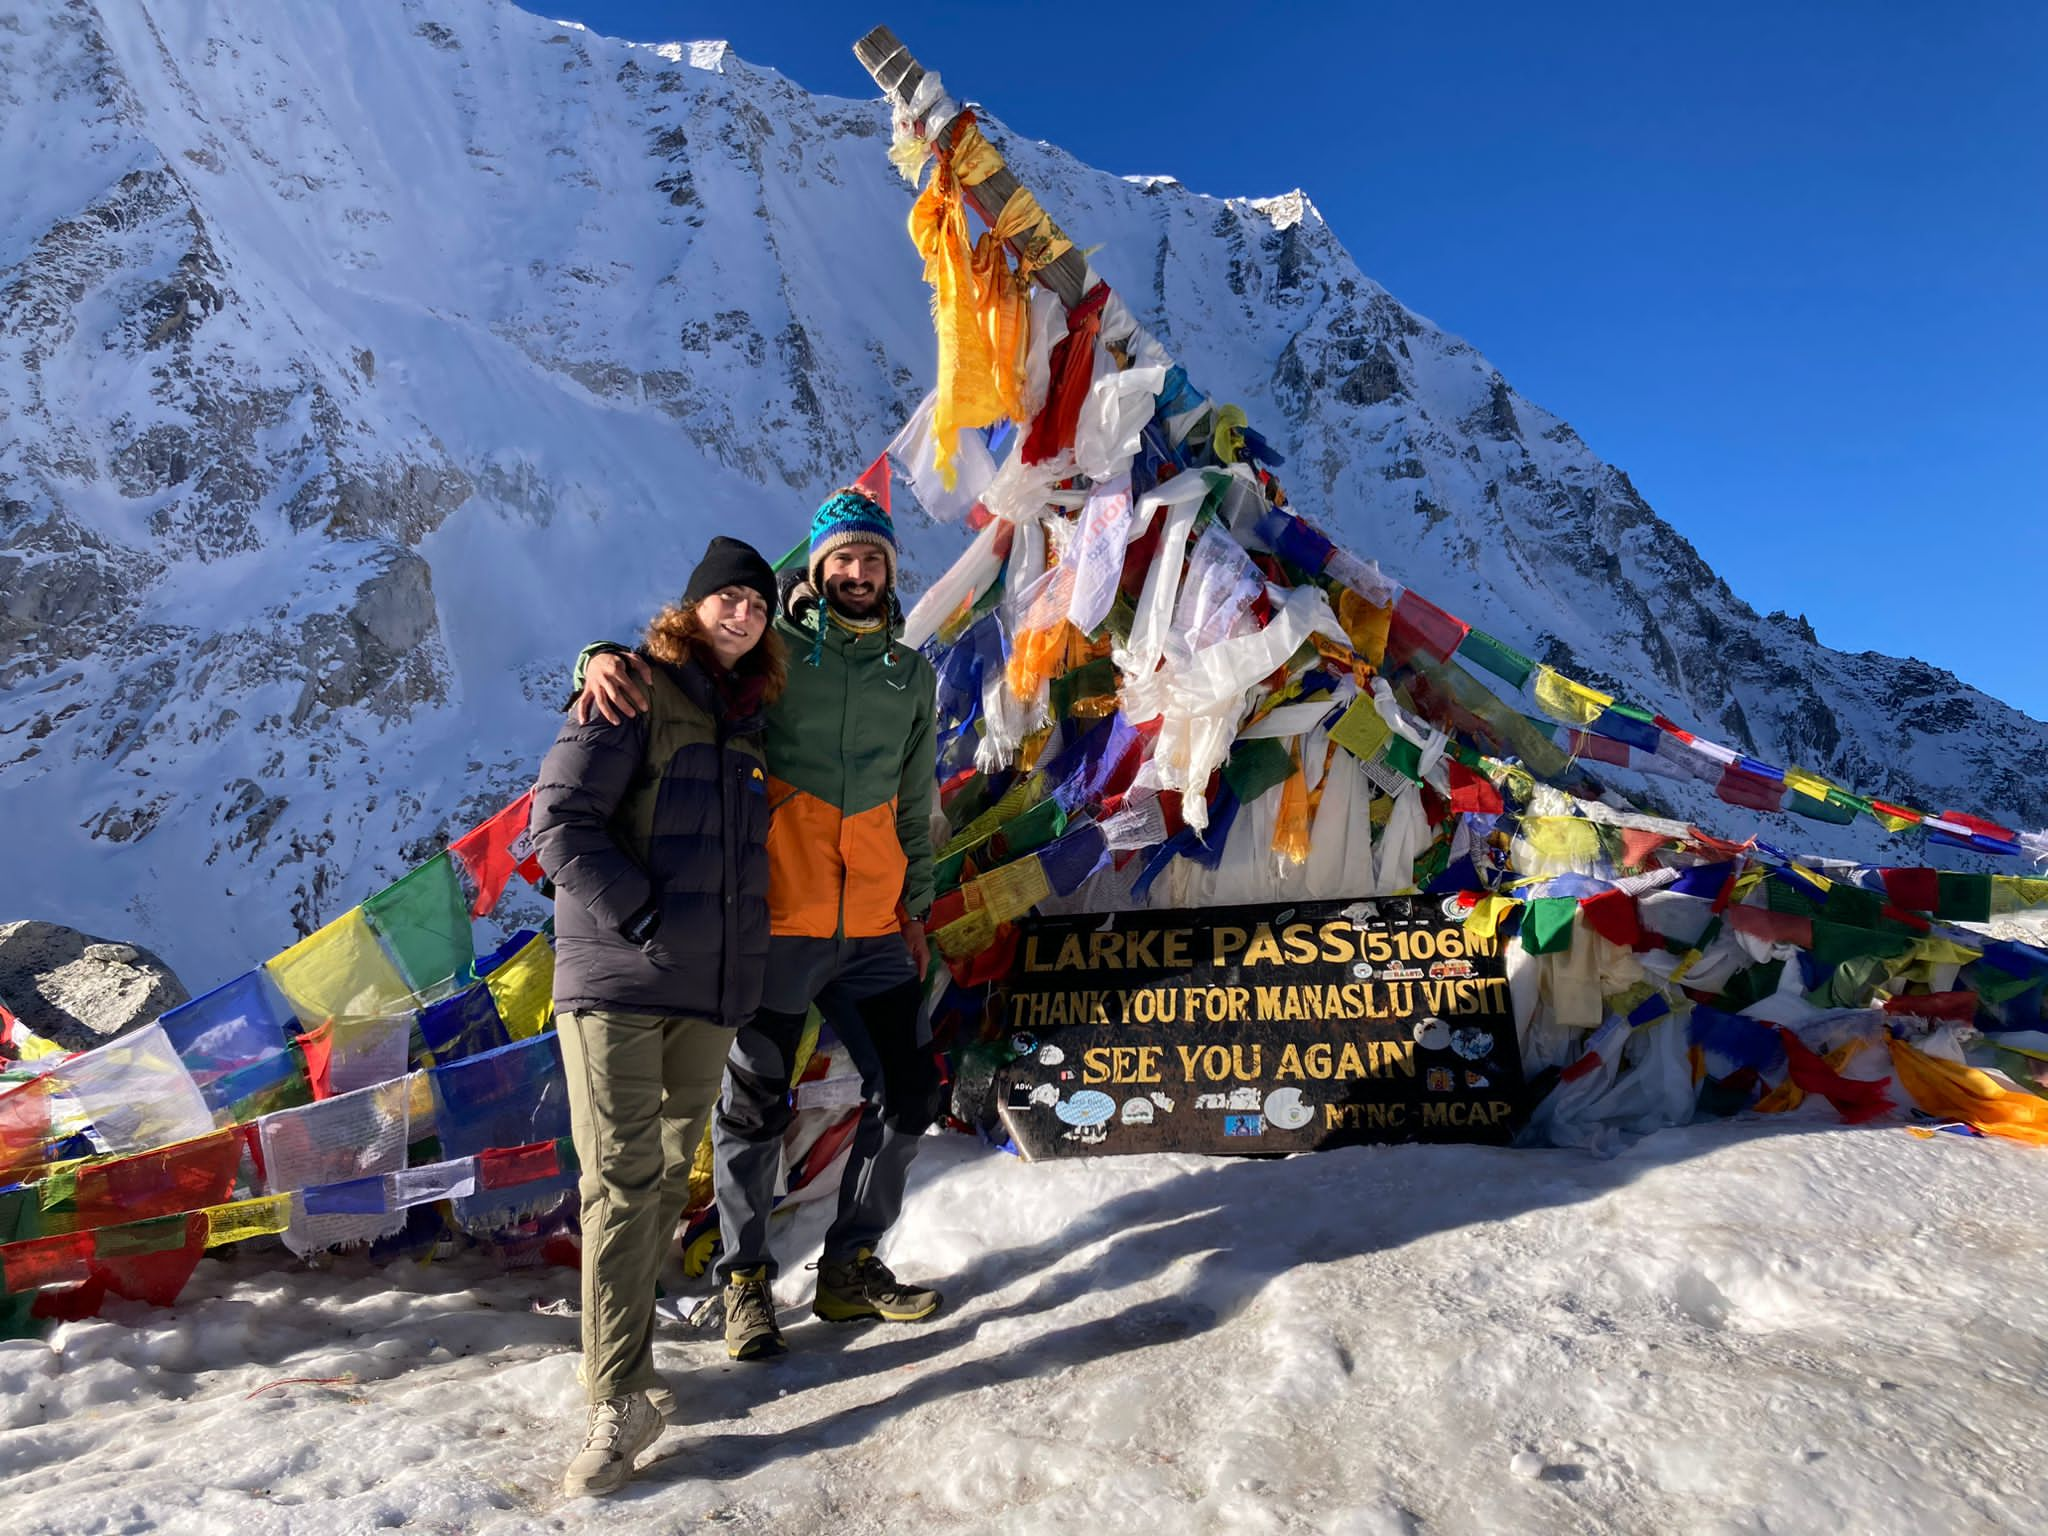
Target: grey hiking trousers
{"x":869,"y":994}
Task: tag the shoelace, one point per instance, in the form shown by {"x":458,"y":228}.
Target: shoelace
{"x":608,"y":1424}
{"x":750,"y":1309}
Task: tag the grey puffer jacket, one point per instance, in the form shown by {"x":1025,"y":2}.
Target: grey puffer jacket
{"x":666,"y":813}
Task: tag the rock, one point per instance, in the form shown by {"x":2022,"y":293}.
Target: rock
{"x":1526,"y":1464}
{"x":78,"y":990}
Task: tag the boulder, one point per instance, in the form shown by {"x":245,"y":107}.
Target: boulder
{"x":80,"y":991}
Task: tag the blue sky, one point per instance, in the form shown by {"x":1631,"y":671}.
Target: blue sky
{"x":1785,"y":264}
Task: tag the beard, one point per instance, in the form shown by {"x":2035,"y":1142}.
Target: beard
{"x":866,"y":605}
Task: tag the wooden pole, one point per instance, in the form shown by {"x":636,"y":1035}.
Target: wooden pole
{"x":898,"y":74}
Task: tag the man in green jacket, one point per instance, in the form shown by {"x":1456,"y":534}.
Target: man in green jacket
{"x":851,"y":759}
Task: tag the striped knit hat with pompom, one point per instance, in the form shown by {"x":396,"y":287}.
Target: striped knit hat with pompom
{"x":846,"y":517}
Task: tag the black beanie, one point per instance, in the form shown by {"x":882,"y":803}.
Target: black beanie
{"x":731,"y":563}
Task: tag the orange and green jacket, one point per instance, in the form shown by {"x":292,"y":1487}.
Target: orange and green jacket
{"x":851,"y":757}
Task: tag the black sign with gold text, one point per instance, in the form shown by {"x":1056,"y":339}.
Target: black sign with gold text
{"x":1257,"y":1029}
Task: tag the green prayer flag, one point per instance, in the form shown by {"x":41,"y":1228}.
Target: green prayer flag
{"x":20,"y":1219}
{"x":424,"y":923}
{"x":1993,"y":985}
{"x":1090,"y":680}
{"x":1964,"y":898}
{"x":134,"y":1239}
{"x":59,"y":1188}
{"x":946,"y":871}
{"x":1780,"y":895}
{"x":1035,"y":828}
{"x":1503,"y":661}
{"x":1256,"y":766}
{"x":1360,"y":730}
{"x":1404,"y":756}
{"x":1547,"y":924}
{"x":1851,"y":983}
{"x":1829,"y":810}
{"x":1855,"y":906}
{"x":1123,"y":613}
{"x":1834,"y":943}
{"x":1749,"y":985}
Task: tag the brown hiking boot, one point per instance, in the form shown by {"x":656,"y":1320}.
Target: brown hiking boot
{"x":750,"y":1329}
{"x":862,"y":1287}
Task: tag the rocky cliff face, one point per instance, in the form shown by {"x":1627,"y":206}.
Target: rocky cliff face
{"x":357,"y":363}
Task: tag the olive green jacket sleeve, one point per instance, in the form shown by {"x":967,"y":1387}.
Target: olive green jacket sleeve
{"x":595,"y":648}
{"x":914,"y":794}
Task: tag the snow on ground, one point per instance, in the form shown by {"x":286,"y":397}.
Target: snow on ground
{"x":1743,"y":1328}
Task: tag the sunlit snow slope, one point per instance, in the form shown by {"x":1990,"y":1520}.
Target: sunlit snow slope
{"x":1727,"y":1331}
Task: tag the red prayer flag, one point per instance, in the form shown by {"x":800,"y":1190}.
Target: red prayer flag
{"x":1739,"y":786}
{"x":1587,"y":1063}
{"x":992,"y":962}
{"x":41,"y":1261}
{"x":1886,"y":808}
{"x":1419,"y":625}
{"x":1917,"y":889}
{"x":874,"y":481}
{"x":1980,"y":826}
{"x":1601,"y":749}
{"x":500,"y":1167}
{"x":490,"y":854}
{"x":1612,"y":915}
{"x":24,"y":1127}
{"x":1637,"y":845}
{"x":182,"y":1179}
{"x":1072,"y":366}
{"x":317,"y":1046}
{"x":1719,"y":847}
{"x":1893,"y":914}
{"x":1857,"y":1101}
{"x":1772,"y":927}
{"x":1948,"y":1007}
{"x":1472,"y":791}
{"x":946,"y":909}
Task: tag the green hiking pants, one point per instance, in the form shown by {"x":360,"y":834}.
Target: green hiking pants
{"x":640,"y":1088}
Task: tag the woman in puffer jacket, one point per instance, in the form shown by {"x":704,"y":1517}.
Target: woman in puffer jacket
{"x":654,"y":831}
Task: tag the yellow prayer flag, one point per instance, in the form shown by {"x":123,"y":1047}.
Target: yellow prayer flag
{"x":1808,"y":784}
{"x":524,"y":989}
{"x":974,"y":158}
{"x":1564,"y":700}
{"x":1360,"y":730}
{"x":966,"y":395}
{"x":1562,"y":839}
{"x":1812,"y":877}
{"x":966,"y":936}
{"x":2016,"y":893}
{"x":1365,"y":624}
{"x":1935,"y":950}
{"x":340,"y":969}
{"x":1483,"y":921}
{"x":240,"y":1219}
{"x":1015,"y":889}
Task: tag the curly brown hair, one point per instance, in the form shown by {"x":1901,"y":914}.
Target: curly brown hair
{"x":675,"y":636}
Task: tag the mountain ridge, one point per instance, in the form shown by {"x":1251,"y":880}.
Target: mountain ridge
{"x":360,"y":368}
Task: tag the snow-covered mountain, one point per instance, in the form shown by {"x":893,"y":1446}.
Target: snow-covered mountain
{"x":358,"y":362}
